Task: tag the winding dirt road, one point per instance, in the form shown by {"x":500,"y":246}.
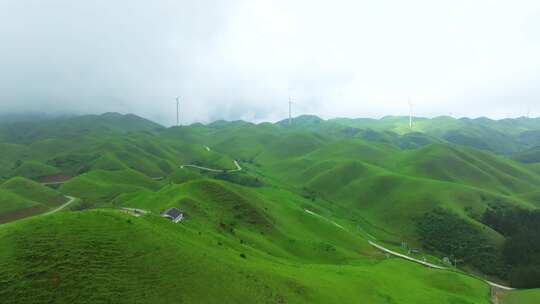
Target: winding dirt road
{"x":494,"y":286}
{"x":71,"y":199}
{"x":238,"y":168}
{"x":506,"y":288}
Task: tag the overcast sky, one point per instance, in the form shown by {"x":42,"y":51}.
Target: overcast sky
{"x":241,"y":59}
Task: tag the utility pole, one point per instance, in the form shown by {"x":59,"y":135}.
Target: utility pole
{"x":177,"y":111}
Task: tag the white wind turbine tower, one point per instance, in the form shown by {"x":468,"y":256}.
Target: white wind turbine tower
{"x":410,"y":113}
{"x":177,"y":111}
{"x":290,"y":110}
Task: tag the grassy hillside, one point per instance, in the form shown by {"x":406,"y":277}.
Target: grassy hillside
{"x":33,"y":191}
{"x":10,"y":154}
{"x":100,"y":186}
{"x":254,"y":216}
{"x":522,"y":297}
{"x":291,"y":227}
{"x":33,"y":170}
{"x":389,"y":188}
{"x":20,"y":197}
{"x":468,"y":167}
{"x":528,"y":156}
{"x":148,"y":153}
{"x":506,"y":136}
{"x":26,"y":132}
{"x":535,"y":167}
{"x":88,"y":257}
{"x":13,"y":207}
{"x":291,"y":145}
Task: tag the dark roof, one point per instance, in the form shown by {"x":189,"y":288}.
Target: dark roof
{"x":172,"y":213}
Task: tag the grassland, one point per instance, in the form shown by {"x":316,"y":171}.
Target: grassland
{"x":522,"y":297}
{"x":291,"y":227}
{"x":506,"y":136}
{"x":100,"y":186}
{"x":107,"y":256}
{"x":20,"y":197}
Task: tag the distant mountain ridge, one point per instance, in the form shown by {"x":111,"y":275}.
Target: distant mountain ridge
{"x":505,"y":136}
{"x":292,"y":226}
{"x":27,"y":131}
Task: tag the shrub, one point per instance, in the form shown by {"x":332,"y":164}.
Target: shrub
{"x":443,"y":231}
{"x":521,"y":250}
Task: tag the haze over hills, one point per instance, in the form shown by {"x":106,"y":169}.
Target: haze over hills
{"x":292,"y":225}
{"x":383,"y":152}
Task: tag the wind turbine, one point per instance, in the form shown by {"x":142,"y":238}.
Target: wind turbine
{"x":290,"y":110}
{"x":410,"y":113}
{"x":177,"y":111}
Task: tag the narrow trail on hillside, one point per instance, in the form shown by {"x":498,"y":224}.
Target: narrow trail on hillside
{"x":135,"y":211}
{"x":53,"y":183}
{"x":491,"y":284}
{"x":71,"y":199}
{"x":238,"y":167}
{"x":320,"y":216}
{"x":495,"y":288}
{"x":405,"y":256}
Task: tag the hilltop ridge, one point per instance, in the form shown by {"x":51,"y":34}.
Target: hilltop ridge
{"x":293,"y":225}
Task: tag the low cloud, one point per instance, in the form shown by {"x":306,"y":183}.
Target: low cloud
{"x":242,"y":59}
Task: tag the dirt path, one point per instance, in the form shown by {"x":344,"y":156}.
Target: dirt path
{"x":238,"y":168}
{"x":202,"y":168}
{"x":318,"y":215}
{"x":135,"y":211}
{"x":71,"y":199}
{"x":496,"y":294}
{"x":53,"y":183}
{"x":405,"y":256}
{"x":496,"y":289}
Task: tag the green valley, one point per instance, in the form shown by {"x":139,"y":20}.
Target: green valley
{"x":290,"y":224}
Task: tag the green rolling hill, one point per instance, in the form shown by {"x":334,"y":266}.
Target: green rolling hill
{"x":33,"y":169}
{"x":100,"y":186}
{"x":522,"y":297}
{"x":506,"y":136}
{"x":27,"y":132}
{"x":529,"y":156}
{"x":291,"y":227}
{"x":20,"y":197}
{"x":97,"y":256}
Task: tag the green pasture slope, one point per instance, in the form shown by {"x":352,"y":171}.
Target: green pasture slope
{"x":506,"y":136}
{"x":291,"y":227}
{"x":389,"y":188}
{"x":101,"y":186}
{"x":33,"y":191}
{"x":107,"y":256}
{"x":530,"y":296}
{"x":20,"y":197}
